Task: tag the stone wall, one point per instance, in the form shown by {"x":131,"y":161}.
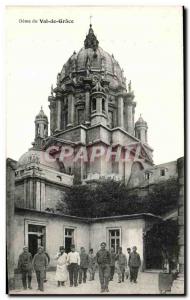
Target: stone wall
{"x":131,"y":233}
{"x":10,"y":194}
{"x":54,"y":232}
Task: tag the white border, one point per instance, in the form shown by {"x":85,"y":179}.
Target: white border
{"x":3,"y":3}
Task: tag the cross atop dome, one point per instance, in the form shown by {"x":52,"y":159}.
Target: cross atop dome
{"x":91,"y":40}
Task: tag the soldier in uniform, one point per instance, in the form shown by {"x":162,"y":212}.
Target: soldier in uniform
{"x":104,"y":259}
{"x":25,"y":267}
{"x":92,"y":264}
{"x":40,"y":263}
{"x":112,"y":264}
{"x":84,"y":263}
{"x":134,"y":264}
{"x":121,"y":262}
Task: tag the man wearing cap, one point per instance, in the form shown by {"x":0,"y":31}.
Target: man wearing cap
{"x":121,"y":262}
{"x":127,"y":269}
{"x":104,"y":259}
{"x":92,"y":264}
{"x":25,"y":267}
{"x":73,"y":260}
{"x":84,"y":263}
{"x":134,"y":264}
{"x":40,"y":263}
{"x":112,"y":264}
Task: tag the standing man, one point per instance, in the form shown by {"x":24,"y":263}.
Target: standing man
{"x":73,"y":260}
{"x":92,"y":264}
{"x":48,"y":258}
{"x":40,"y":263}
{"x":112,"y":263}
{"x":127,"y":269}
{"x":134,"y":264}
{"x":25,"y":267}
{"x":103,"y":260}
{"x":84,"y":263}
{"x":121,"y":264}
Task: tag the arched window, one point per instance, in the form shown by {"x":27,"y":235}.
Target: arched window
{"x":94,"y":104}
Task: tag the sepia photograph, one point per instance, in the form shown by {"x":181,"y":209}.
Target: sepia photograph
{"x":95,"y":150}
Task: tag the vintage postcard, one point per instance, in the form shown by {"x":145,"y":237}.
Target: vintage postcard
{"x":95,"y":158}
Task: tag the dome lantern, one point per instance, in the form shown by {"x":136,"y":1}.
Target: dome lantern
{"x":141,"y":129}
{"x":41,"y":128}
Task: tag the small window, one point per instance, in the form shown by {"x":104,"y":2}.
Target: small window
{"x":94,"y":104}
{"x":69,"y":170}
{"x":162,"y":172}
{"x":103,"y":105}
{"x":147,"y":175}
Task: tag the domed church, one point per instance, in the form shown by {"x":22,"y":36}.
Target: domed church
{"x":92,"y":113}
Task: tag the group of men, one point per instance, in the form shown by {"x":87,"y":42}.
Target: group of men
{"x":108,"y":262}
{"x":39,"y":264}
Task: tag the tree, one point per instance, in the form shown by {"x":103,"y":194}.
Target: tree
{"x":111,"y":198}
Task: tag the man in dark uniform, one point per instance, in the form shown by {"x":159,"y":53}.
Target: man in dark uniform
{"x":134,"y":264}
{"x":40,"y":263}
{"x":84,"y":263}
{"x":25,"y":267}
{"x":112,"y":264}
{"x":104,"y":260}
{"x":48,"y":258}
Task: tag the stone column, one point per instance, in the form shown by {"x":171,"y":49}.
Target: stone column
{"x":43,"y":195}
{"x":87,"y":104}
{"x":130,"y":110}
{"x":30,"y":193}
{"x":120,"y":112}
{"x":71,"y":110}
{"x":25,"y":192}
{"x":130,"y":127}
{"x":58,"y":114}
{"x":52,"y":108}
{"x":38,"y":195}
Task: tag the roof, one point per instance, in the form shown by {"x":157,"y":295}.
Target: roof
{"x":92,"y":220}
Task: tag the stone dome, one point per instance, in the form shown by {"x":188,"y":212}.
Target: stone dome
{"x":140,"y":122}
{"x":37,"y":157}
{"x":41,"y":115}
{"x":94,"y":59}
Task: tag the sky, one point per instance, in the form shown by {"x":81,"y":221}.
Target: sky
{"x":146,"y":41}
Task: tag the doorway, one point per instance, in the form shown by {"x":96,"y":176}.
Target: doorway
{"x":36,"y":237}
{"x":68,"y":239}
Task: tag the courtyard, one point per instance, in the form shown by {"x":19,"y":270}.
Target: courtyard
{"x":147,"y":284}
